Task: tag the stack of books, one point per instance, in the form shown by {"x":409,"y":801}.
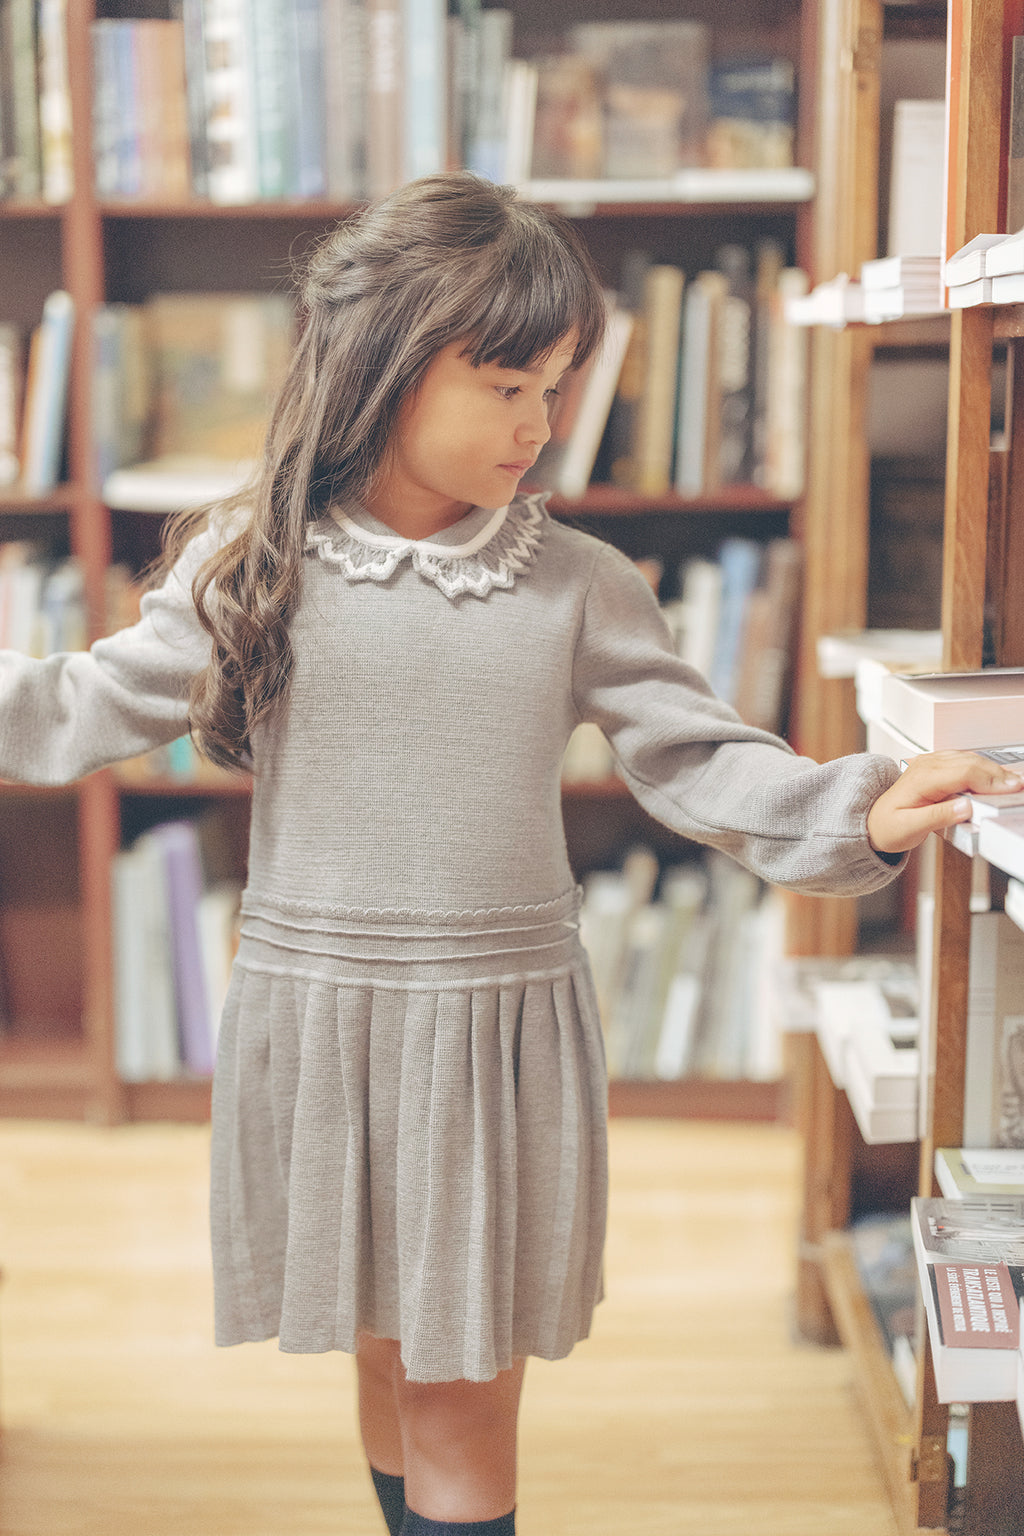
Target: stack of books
{"x":970,"y":1258}
{"x":988,"y":270}
{"x":895,"y":286}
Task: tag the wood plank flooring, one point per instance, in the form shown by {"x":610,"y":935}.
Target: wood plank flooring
{"x":690,"y":1412}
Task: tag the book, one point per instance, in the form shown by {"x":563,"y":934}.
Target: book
{"x":780,"y":466}
{"x":966,"y":295}
{"x":916,"y":178}
{"x":944,"y":710}
{"x":699,"y":609}
{"x":1006,"y":256}
{"x":425,"y":90}
{"x":485,"y":149}
{"x":178,"y":842}
{"x":735,"y":369}
{"x":190,"y":14}
{"x":970,"y":262}
{"x":970,"y":1256}
{"x":698,"y":422}
{"x":655,"y":93}
{"x":345,"y":85}
{"x":740,"y":560}
{"x":1008,"y":288}
{"x":769,"y":634}
{"x":306,"y":96}
{"x":751,"y":107}
{"x":121,"y":387}
{"x":20,"y":33}
{"x":1015,"y":141}
{"x":46,"y":394}
{"x":654,"y":423}
{"x":275,"y":100}
{"x":567,"y":461}
{"x":217,"y":361}
{"x":232,"y":170}
{"x":384,"y":82}
{"x":145,"y":1015}
{"x":962,"y":1171}
{"x":994,"y":1056}
{"x":54,"y":102}
{"x":11,"y":386}
{"x":175,"y":482}
{"x":568,"y":136}
{"x":882,"y":1244}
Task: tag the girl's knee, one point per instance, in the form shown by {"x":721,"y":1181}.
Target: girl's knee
{"x":379,"y":1359}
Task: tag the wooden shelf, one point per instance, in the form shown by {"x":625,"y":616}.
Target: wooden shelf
{"x":313,"y":211}
{"x":35,"y":208}
{"x":889,"y":1417}
{"x":167,"y":785}
{"x":63,"y":499}
{"x":613,"y":501}
{"x":694,"y":1098}
{"x":53,"y":1080}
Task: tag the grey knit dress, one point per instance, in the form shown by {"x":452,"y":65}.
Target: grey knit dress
{"x":409,"y":1100}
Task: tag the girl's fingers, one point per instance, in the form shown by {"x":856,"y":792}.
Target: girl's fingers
{"x":941,"y":775}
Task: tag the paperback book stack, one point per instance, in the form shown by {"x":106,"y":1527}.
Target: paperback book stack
{"x":988,"y":270}
{"x":895,"y":286}
{"x":970,"y":1257}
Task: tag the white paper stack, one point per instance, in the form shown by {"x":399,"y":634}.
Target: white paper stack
{"x":868,"y":1036}
{"x":895,"y":286}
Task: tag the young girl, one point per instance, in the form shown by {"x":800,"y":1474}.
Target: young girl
{"x":409,"y":1104}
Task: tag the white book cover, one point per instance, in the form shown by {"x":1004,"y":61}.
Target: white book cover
{"x":966,"y":295}
{"x":948,"y":710}
{"x":1008,"y":289}
{"x":878,"y":1123}
{"x":917,"y":180}
{"x":994,"y":1060}
{"x":969,"y":263}
{"x":1007,"y":256}
{"x":233,"y":175}
{"x":577,"y":462}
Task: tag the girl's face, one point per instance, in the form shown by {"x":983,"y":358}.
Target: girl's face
{"x":466,"y":437}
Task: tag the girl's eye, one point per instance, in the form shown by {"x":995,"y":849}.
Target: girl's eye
{"x":508,"y":391}
{"x":551,"y":394}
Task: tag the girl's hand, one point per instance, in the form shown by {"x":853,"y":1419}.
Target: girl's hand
{"x":928,"y":797}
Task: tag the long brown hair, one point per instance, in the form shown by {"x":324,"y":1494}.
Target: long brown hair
{"x":443,"y":258}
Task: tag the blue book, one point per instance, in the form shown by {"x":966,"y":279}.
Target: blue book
{"x":46,"y":395}
{"x":310,"y":164}
{"x":273,"y":93}
{"x":740,"y":562}
{"x":425,"y":35}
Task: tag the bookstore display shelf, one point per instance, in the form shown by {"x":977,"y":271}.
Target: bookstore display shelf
{"x":605,"y":500}
{"x":55,"y":1079}
{"x":890,"y":1418}
{"x":188,"y":1099}
{"x":697,"y":1098}
{"x":63,"y":499}
{"x":30,"y":208}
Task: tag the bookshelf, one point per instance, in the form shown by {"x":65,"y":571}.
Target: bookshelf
{"x":982,"y":572}
{"x":57,"y":1049}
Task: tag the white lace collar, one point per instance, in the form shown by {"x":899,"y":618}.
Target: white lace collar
{"x":486,"y":549}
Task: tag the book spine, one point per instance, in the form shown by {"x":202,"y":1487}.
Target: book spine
{"x":46,"y":400}
{"x":384,"y":96}
{"x":172,"y":116}
{"x":230,"y":127}
{"x":486,"y":155}
{"x":11,"y":385}
{"x":25,"y":99}
{"x":1015,"y":153}
{"x":54,"y":102}
{"x":310,"y":106}
{"x":272,"y":95}
{"x":190,"y":13}
{"x":424,"y":31}
{"x":345,"y":56}
{"x":183,"y":870}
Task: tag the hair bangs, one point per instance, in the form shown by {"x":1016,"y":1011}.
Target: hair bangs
{"x":535,"y":304}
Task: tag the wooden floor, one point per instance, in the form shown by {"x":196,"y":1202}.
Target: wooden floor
{"x":689,"y":1413}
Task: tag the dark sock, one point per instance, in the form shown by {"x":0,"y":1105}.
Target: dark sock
{"x":419,"y":1525}
{"x":391,"y":1496}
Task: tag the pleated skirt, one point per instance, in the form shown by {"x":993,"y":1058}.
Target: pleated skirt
{"x":409,"y":1136}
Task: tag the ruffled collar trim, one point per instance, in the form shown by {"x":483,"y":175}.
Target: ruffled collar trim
{"x":486,"y":549}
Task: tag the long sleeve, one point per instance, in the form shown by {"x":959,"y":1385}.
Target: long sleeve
{"x":63,"y":717}
{"x":696,"y":767}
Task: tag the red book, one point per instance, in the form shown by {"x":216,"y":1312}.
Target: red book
{"x":977,"y":1306}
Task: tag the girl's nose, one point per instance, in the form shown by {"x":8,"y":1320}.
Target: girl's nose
{"x":535,"y":427}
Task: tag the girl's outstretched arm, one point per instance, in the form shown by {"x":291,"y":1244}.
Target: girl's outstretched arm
{"x":929,"y":796}
{"x":74,"y":712}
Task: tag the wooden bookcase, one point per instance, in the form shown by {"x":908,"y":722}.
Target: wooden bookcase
{"x":56,"y":847}
{"x":983,"y":575}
